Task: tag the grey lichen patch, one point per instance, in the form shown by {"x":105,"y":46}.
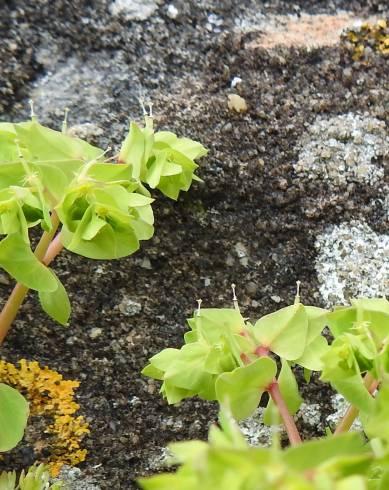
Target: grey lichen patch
{"x":352,"y":261}
{"x":255,"y":431}
{"x":343,"y":149}
{"x":74,"y":479}
{"x":340,"y":405}
{"x":310,"y":414}
{"x":160,"y":459}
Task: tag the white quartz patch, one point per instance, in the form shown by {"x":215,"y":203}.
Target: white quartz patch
{"x":133,"y":9}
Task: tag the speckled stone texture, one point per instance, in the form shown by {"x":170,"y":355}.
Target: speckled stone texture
{"x":254,"y":221}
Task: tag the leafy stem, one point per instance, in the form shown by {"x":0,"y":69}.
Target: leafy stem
{"x":16,"y":298}
{"x":290,"y":426}
{"x":274,"y":391}
{"x":352,"y":412}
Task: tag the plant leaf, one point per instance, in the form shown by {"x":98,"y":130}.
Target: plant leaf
{"x":56,"y":303}
{"x":311,"y":358}
{"x":284,"y":332}
{"x":13,"y":417}
{"x":242,"y":388}
{"x":18,"y":260}
{"x":313,"y":453}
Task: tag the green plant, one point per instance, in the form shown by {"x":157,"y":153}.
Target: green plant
{"x":14,"y":414}
{"x":228,"y":359}
{"x":79,"y":199}
{"x":36,"y":478}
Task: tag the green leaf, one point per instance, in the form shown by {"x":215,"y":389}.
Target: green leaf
{"x":314,"y":453}
{"x":312,"y":356}
{"x":13,"y":417}
{"x":46,"y":144}
{"x":377,"y":422}
{"x":7,"y":480}
{"x":106,"y":245}
{"x":160,"y":363}
{"x":289,"y":391}
{"x":284,"y":332}
{"x":341,"y":320}
{"x":242,"y":388}
{"x":56,"y":303}
{"x":317,"y":320}
{"x":169,"y":482}
{"x":355,"y":392}
{"x":212,"y":323}
{"x":219,"y":359}
{"x":355,"y":482}
{"x":173,"y":393}
{"x":187,"y":371}
{"x":104,"y":221}
{"x":18,"y":260}
{"x":183,"y":372}
{"x":133,"y":151}
{"x":375,"y":311}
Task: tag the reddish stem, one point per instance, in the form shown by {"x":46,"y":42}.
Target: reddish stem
{"x":290,"y":426}
{"x":274,"y":391}
{"x":261,"y":351}
{"x":53,"y":250}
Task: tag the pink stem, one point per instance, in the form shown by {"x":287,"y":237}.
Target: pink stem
{"x":290,"y":426}
{"x":53,"y":250}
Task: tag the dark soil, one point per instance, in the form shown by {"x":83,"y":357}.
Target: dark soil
{"x":75,"y":54}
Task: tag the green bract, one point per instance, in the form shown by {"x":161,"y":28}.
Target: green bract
{"x":223,"y":356}
{"x":36,"y":478}
{"x":229,"y":359}
{"x":161,"y":160}
{"x":360,"y":348}
{"x":104,"y":220}
{"x":103,"y":208}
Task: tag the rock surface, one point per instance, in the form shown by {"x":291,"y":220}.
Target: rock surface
{"x":254,"y":221}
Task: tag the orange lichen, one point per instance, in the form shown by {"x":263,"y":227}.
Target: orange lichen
{"x":50,"y":395}
{"x":375,"y":36}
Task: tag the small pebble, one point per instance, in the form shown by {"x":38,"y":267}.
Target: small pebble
{"x":95,"y":332}
{"x":237,"y":103}
{"x":276,"y":299}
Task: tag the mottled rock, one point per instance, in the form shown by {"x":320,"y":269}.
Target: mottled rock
{"x":352,"y":260}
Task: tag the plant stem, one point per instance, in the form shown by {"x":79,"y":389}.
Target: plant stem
{"x":290,"y":426}
{"x":53,"y":250}
{"x":352,"y":411}
{"x":16,"y":298}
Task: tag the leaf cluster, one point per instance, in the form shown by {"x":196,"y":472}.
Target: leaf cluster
{"x":49,"y":179}
{"x":36,"y":478}
{"x":229,"y":359}
{"x":343,"y":462}
{"x":101,"y":207}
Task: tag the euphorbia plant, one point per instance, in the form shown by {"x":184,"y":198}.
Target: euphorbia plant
{"x":81,"y":199}
{"x":228,"y":359}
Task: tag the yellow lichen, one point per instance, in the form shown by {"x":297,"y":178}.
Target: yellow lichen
{"x":50,"y":395}
{"x":375,"y":36}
